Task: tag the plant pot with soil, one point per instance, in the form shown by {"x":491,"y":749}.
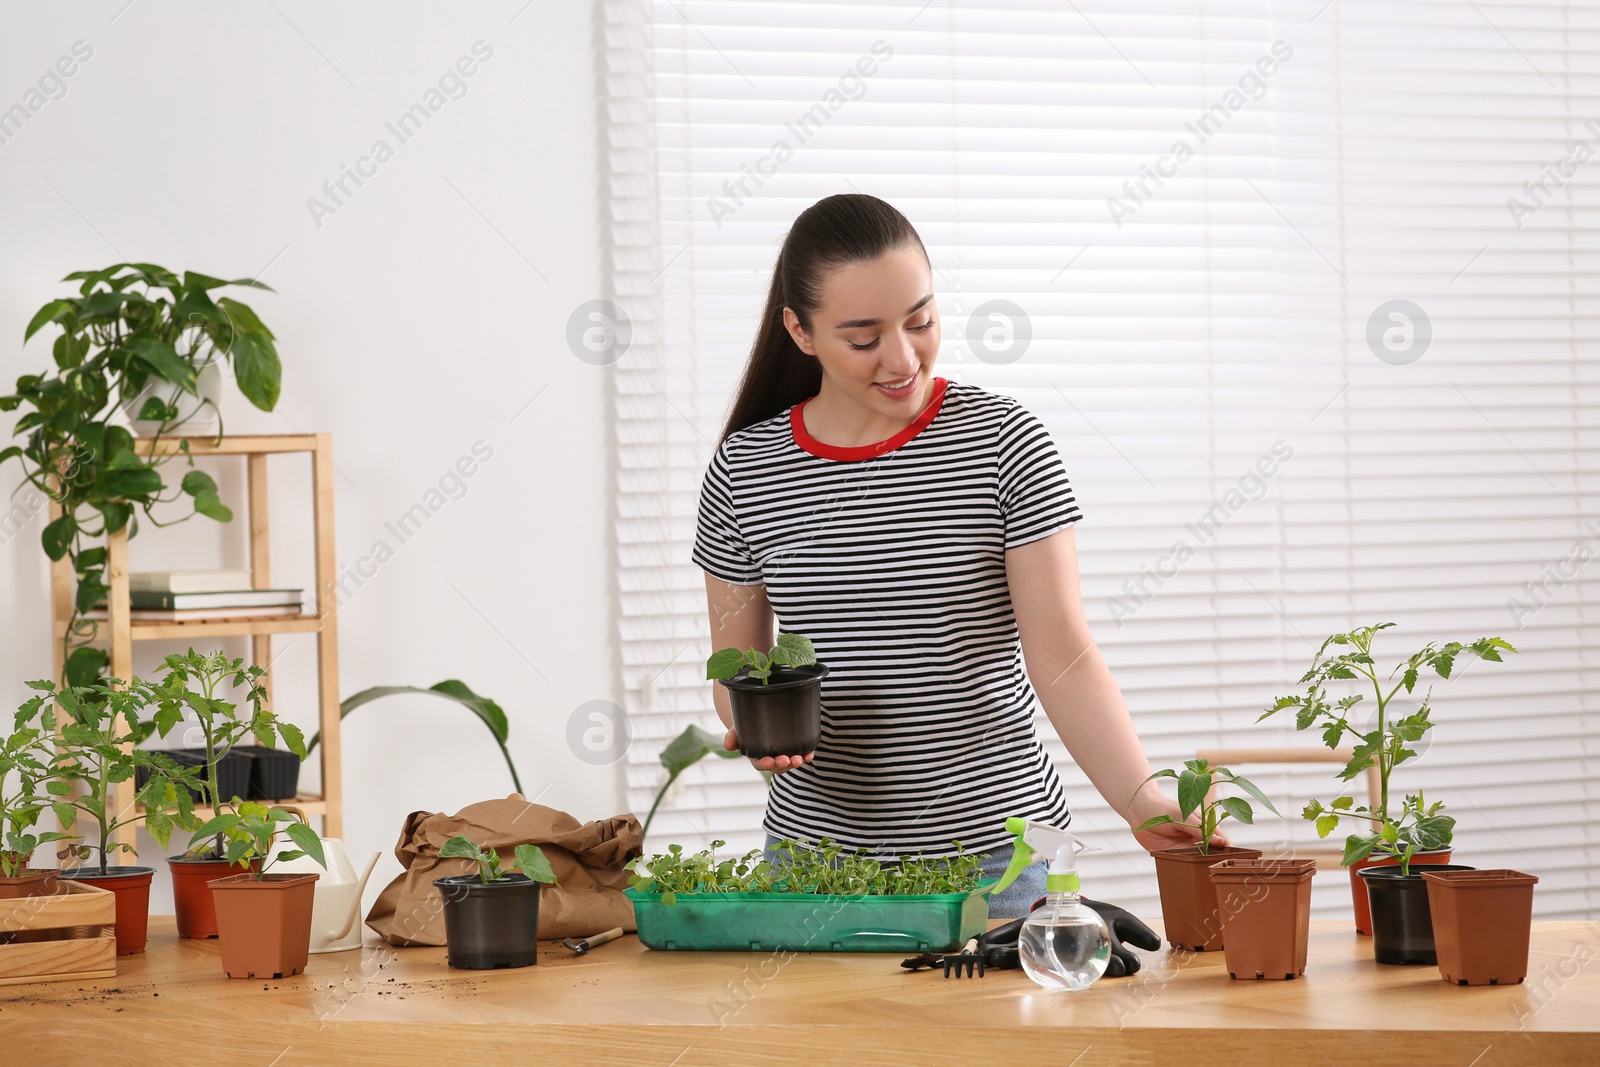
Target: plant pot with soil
{"x":1189,"y":906}
{"x":97,"y":728}
{"x":491,"y":917}
{"x":190,"y":690}
{"x":1392,"y":833}
{"x":264,"y":919}
{"x":775,"y":696}
{"x":1402,"y":922}
{"x":1482,"y":921}
{"x":1265,"y":906}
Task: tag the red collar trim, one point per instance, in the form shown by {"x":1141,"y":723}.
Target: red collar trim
{"x":797,"y":426}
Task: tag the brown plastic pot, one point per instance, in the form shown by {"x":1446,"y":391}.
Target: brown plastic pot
{"x":191,"y":893}
{"x":32,"y":882}
{"x":131,"y":887}
{"x":1358,"y":888}
{"x":1481,"y":924}
{"x":1189,"y":912}
{"x":1265,"y":907}
{"x":264,"y":927}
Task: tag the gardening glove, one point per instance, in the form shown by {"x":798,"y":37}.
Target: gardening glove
{"x":1124,"y":926}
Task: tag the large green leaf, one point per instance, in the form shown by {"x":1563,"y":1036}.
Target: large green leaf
{"x":487,"y":711}
{"x":255,"y":360}
{"x":58,"y":536}
{"x":165,"y":361}
{"x":683,"y":752}
{"x":54,"y":311}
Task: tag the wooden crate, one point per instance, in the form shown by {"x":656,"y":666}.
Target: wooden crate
{"x":78,"y":935}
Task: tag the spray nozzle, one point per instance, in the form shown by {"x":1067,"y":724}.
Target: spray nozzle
{"x":1035,"y":838}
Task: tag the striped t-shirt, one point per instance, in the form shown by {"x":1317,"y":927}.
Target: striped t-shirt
{"x":891,"y":558}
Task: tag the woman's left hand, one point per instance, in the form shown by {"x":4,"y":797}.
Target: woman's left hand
{"x":1150,"y":803}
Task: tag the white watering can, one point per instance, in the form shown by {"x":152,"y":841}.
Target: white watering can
{"x":336,"y":908}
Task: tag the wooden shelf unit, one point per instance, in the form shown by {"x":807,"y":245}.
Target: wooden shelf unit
{"x":120,"y":631}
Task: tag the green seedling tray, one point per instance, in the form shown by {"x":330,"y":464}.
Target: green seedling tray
{"x":811,"y":922}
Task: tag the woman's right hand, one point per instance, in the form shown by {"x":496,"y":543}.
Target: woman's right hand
{"x":775,"y":764}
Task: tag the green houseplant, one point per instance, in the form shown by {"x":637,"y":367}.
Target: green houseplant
{"x":1388,"y":832}
{"x":263,"y":919}
{"x":1189,"y":909}
{"x":775,"y":696}
{"x":97,"y":729}
{"x":25,"y":757}
{"x":194,"y":685}
{"x":826,"y":897}
{"x":491,"y":915}
{"x":132,"y":329}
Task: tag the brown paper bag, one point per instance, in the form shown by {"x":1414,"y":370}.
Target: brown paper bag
{"x":587,"y":858}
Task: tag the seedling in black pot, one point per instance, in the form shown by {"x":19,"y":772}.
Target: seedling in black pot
{"x":491,"y":917}
{"x":776,"y":696}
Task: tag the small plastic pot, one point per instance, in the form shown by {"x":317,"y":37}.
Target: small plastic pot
{"x":265,"y":925}
{"x":131,"y":887}
{"x":274,"y":773}
{"x":1358,"y":888}
{"x":1265,"y":907}
{"x":32,"y":882}
{"x":191,"y":893}
{"x":1402,"y":924}
{"x":1482,"y":922}
{"x":781,"y":717}
{"x":233,"y":770}
{"x":490,"y":926}
{"x":1189,"y":912}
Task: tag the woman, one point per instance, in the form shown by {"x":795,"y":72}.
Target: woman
{"x":919,"y":532}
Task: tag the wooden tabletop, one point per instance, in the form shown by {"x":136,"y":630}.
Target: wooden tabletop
{"x":624,"y":1003}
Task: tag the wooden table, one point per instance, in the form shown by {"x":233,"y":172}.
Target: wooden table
{"x":627,"y":1004}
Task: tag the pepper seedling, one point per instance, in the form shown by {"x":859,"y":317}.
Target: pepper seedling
{"x":529,"y":859}
{"x":250,"y":829}
{"x":792,"y":650}
{"x":1194,"y":786}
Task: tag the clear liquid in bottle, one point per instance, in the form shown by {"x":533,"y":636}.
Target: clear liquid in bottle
{"x":1065,"y":944}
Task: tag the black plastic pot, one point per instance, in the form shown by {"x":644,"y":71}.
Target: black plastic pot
{"x":1402,"y":924}
{"x":781,"y":717}
{"x":233,"y":770}
{"x":490,"y":926}
{"x":274,"y":774}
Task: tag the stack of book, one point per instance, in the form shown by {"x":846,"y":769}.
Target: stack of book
{"x":192,"y":596}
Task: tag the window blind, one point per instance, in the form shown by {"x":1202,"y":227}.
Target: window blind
{"x":1168,"y":230}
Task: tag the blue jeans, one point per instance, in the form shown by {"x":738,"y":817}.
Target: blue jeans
{"x":1012,"y":902}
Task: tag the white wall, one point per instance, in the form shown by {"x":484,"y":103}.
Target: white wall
{"x":413,"y":321}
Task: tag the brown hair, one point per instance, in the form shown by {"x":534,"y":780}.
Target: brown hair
{"x":836,"y":231}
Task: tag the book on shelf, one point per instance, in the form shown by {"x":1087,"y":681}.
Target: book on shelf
{"x":202,"y":614}
{"x":155,"y":600}
{"x":194,"y":581}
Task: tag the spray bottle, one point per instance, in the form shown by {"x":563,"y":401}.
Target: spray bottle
{"x":1064,"y":944}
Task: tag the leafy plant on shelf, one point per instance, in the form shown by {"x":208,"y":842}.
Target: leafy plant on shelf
{"x":250,"y":831}
{"x":132,"y":330}
{"x":97,"y":729}
{"x":1194,"y":787}
{"x":792,"y":650}
{"x":192,"y":686}
{"x":24,"y":767}
{"x":1414,"y":825}
{"x":828,"y":869}
{"x":529,"y":859}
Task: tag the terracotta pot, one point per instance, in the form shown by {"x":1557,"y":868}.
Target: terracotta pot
{"x":1402,"y":924}
{"x":32,"y":882}
{"x":1265,"y":907}
{"x":489,"y":926}
{"x":264,"y":927}
{"x":131,"y":887}
{"x":1481,"y":924}
{"x":1358,"y":888}
{"x":1189,"y":911}
{"x":191,"y":893}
